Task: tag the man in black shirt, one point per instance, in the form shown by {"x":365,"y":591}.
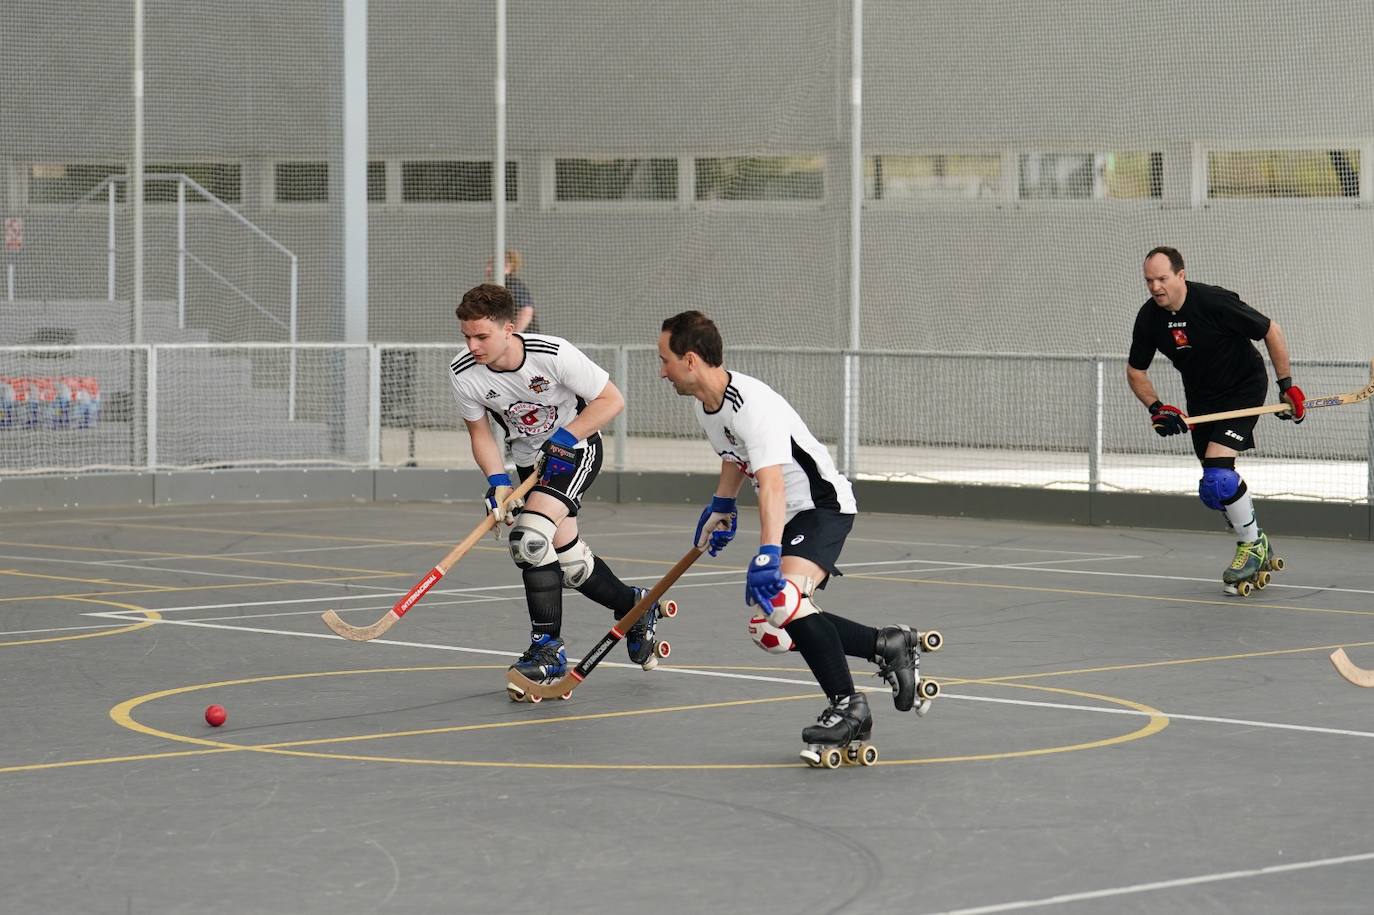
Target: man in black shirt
{"x":1206,"y":332}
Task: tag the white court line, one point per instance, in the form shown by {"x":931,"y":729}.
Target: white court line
{"x":763,"y":678}
{"x":1161,"y":885}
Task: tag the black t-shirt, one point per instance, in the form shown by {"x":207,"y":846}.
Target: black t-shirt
{"x":1208,"y":341}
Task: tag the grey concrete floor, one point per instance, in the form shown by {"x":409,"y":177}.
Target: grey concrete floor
{"x":1115,"y":734}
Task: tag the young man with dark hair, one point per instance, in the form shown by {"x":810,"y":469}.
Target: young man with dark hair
{"x":806,"y":510}
{"x":552,"y":402}
{"x":1206,"y":332}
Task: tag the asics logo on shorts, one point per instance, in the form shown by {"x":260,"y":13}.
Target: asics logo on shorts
{"x":797,"y":539}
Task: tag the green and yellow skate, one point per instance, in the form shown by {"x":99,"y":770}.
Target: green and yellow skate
{"x":1249,"y":571}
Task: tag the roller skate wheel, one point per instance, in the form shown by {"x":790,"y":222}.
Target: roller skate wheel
{"x":929,"y":689}
{"x":566,"y":696}
{"x":1276,"y":563}
{"x":868,"y":755}
{"x":1243,"y":588}
{"x":533,"y":698}
{"x":663,"y":649}
{"x":1262,"y":580}
{"x":832,"y":758}
{"x":931,"y":641}
{"x":669,"y":608}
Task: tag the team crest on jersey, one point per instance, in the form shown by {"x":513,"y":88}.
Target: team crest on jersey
{"x":730,"y":437}
{"x":1180,"y":337}
{"x":539,"y":384}
{"x":532,"y":418}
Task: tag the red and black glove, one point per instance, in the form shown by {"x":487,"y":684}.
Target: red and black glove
{"x":1166,"y":419}
{"x":1293,"y":394}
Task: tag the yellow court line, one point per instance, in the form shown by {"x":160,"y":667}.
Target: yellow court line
{"x":204,"y":557}
{"x":123,"y":715}
{"x":169,"y":589}
{"x":1118,"y":595}
{"x":88,"y":581}
{"x":152,"y":617}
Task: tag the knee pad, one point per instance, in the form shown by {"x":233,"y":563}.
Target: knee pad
{"x":531,"y":540}
{"x":1218,"y":487}
{"x":792,"y":602}
{"x":769,"y":637}
{"x":576,"y":559}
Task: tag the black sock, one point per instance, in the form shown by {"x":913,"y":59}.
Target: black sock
{"x":820,"y":645}
{"x":544,"y":595}
{"x":859,"y":641}
{"x":610,"y":592}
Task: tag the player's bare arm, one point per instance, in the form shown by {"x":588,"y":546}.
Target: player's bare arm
{"x":1277,"y":344}
{"x":598,"y":412}
{"x":772,"y":506}
{"x":1141,"y":385}
{"x":485,"y":451}
{"x":731,"y":480}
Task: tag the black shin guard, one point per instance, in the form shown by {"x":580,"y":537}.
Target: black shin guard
{"x":820,"y":645}
{"x":610,"y":592}
{"x":544,"y":595}
{"x":858,"y":640}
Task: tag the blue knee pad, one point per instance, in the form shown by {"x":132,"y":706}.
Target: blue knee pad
{"x":1218,"y":487}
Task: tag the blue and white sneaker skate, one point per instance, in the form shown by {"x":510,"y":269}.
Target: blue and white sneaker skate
{"x":544,"y":661}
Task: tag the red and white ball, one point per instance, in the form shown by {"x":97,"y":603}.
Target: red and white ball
{"x":769,"y":637}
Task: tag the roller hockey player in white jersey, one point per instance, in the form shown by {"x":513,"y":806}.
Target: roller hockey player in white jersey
{"x":552,"y":401}
{"x":806,"y":510}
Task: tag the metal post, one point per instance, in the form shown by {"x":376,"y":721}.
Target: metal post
{"x":355,"y":264}
{"x":291,"y":381}
{"x":151,"y":449}
{"x":110,"y":247}
{"x":374,"y":406}
{"x":1095,"y":447}
{"x":9,"y":280}
{"x":136,"y":179}
{"x":849,"y":438}
{"x":498,"y":167}
{"x":622,"y":421}
{"x":181,"y":253}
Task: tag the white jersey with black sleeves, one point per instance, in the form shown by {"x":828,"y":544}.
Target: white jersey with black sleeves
{"x":756,"y":427}
{"x":548,"y":389}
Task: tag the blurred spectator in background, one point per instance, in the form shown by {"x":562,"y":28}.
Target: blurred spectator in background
{"x":524,"y":302}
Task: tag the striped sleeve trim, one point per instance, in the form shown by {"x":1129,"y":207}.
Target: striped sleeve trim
{"x":732,"y":394}
{"x":463,"y":363}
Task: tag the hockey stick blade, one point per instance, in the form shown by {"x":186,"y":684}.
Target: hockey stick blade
{"x":522,"y":687}
{"x":1347,"y":668}
{"x":421,"y":587}
{"x":1310,"y":403}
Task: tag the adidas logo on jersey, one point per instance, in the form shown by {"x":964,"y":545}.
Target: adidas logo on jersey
{"x":491,"y":394}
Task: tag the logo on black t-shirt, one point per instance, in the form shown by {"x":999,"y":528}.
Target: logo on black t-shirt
{"x":1180,"y":337}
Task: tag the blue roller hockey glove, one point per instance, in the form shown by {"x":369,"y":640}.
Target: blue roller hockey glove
{"x":560,"y":456}
{"x":764,"y":579}
{"x":710,"y":536}
{"x":499,"y":489}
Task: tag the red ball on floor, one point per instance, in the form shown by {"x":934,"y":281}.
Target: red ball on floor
{"x":215,"y":715}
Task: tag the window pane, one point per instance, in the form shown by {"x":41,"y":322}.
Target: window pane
{"x":376,"y":182}
{"x":1284,"y":173}
{"x":1133,"y":175}
{"x":302,"y":182}
{"x":932,"y":176}
{"x":616,"y":179}
{"x":761,"y":178}
{"x":223,"y":179}
{"x":55,"y":182}
{"x":453,"y":182}
{"x":1056,"y":176}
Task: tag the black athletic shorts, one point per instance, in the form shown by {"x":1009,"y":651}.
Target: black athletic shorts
{"x":817,"y":534}
{"x":1233,"y":433}
{"x":569,"y":488}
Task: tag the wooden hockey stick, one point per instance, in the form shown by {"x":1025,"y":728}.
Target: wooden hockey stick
{"x":523,"y":689}
{"x":367,"y":633}
{"x":1331,"y":400}
{"x":1357,"y":675}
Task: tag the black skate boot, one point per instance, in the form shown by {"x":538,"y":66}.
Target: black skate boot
{"x":1249,"y":571}
{"x":841,"y":734}
{"x":544,"y":661}
{"x":897,"y":653}
{"x":640,"y":642}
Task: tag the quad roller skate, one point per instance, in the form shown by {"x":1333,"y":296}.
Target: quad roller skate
{"x":1249,"y":571}
{"x":545,"y":661}
{"x":898,"y":656}
{"x":841,"y":735}
{"x":641,"y":641}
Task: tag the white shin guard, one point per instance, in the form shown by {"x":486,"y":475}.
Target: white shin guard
{"x":1240,"y":514}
